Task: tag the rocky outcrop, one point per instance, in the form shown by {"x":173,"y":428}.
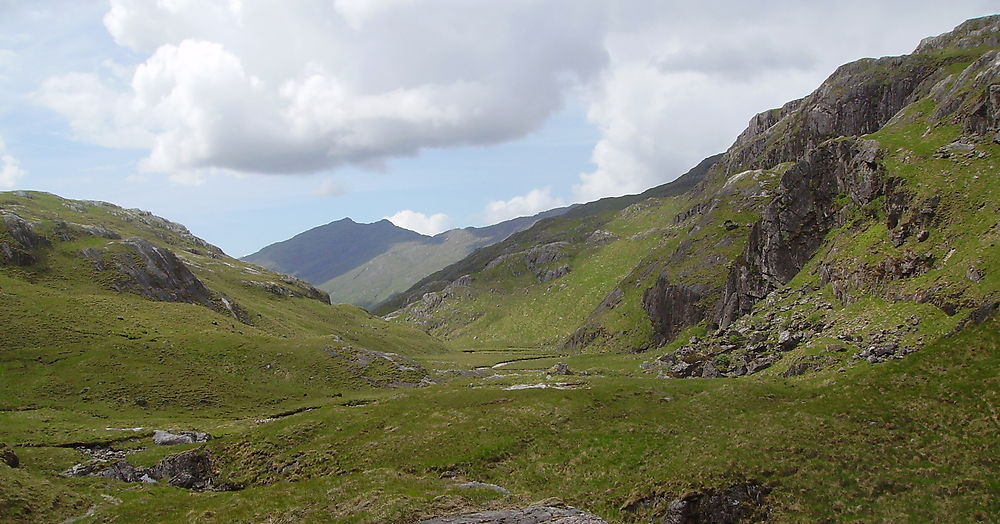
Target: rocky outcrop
{"x":290,"y":288}
{"x":859,"y":98}
{"x":548,"y":275}
{"x":166,"y":438}
{"x":8,"y":457}
{"x":151,"y":271}
{"x":672,"y":307}
{"x":529,"y":515}
{"x":189,"y":470}
{"x":739,"y":503}
{"x":23,"y":242}
{"x":977,"y":32}
{"x":163,"y":228}
{"x":793,"y":225}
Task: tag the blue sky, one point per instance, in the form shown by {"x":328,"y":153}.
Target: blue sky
{"x":250,"y":124}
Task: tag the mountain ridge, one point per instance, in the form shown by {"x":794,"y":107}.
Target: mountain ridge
{"x":366,"y":264}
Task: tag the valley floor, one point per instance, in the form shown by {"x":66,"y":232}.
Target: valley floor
{"x":911,"y":440}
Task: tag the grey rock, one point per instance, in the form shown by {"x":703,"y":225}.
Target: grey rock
{"x":709,"y":370}
{"x":560,"y":368}
{"x":189,"y":470}
{"x":787,"y":341}
{"x":151,"y":271}
{"x":738,"y":503}
{"x":26,"y":244}
{"x":545,"y":254}
{"x":166,"y":438}
{"x":672,"y":307}
{"x":552,"y":274}
{"x":529,"y":515}
{"x":794,"y":224}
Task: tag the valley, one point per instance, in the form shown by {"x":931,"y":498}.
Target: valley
{"x":804,"y":328}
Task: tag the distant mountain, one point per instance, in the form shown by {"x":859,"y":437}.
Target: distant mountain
{"x":579,"y":221}
{"x":365,"y":264}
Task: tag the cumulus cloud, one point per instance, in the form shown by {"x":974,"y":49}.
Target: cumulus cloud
{"x":334,"y":83}
{"x":10,"y":171}
{"x":421,"y":223}
{"x":536,"y":201}
{"x":253,"y":86}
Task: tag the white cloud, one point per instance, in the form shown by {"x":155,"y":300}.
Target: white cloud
{"x":10,"y":171}
{"x":334,"y":83}
{"x":251,"y":86}
{"x":421,"y":223}
{"x":536,"y":201}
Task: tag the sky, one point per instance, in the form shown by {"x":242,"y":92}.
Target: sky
{"x":250,"y":121}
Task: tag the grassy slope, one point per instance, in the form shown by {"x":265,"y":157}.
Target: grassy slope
{"x":925,"y":451}
{"x":76,"y":346}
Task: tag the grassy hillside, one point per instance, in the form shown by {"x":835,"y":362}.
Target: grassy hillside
{"x":72,"y":340}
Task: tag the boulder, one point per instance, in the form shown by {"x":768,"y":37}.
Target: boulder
{"x":561,"y":368}
{"x":166,"y":438}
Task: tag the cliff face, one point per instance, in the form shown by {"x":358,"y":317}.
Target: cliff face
{"x":795,"y":223}
{"x":889,"y":202}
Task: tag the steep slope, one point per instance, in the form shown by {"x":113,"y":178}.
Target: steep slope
{"x":879,"y":184}
{"x":127,"y":311}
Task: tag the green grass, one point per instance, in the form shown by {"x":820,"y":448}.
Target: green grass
{"x":924,"y":451}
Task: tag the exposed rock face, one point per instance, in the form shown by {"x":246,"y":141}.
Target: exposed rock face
{"x":739,"y":503}
{"x":166,"y":438}
{"x":552,"y":274}
{"x":672,"y":307}
{"x":291,"y":287}
{"x":22,"y":249}
{"x":794,"y":224}
{"x":152,"y":272}
{"x":859,"y":98}
{"x":166,"y":226}
{"x":189,"y":470}
{"x":530,"y":515}
{"x":984,"y":31}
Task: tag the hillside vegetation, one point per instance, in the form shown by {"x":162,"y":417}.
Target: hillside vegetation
{"x":803,"y":329}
